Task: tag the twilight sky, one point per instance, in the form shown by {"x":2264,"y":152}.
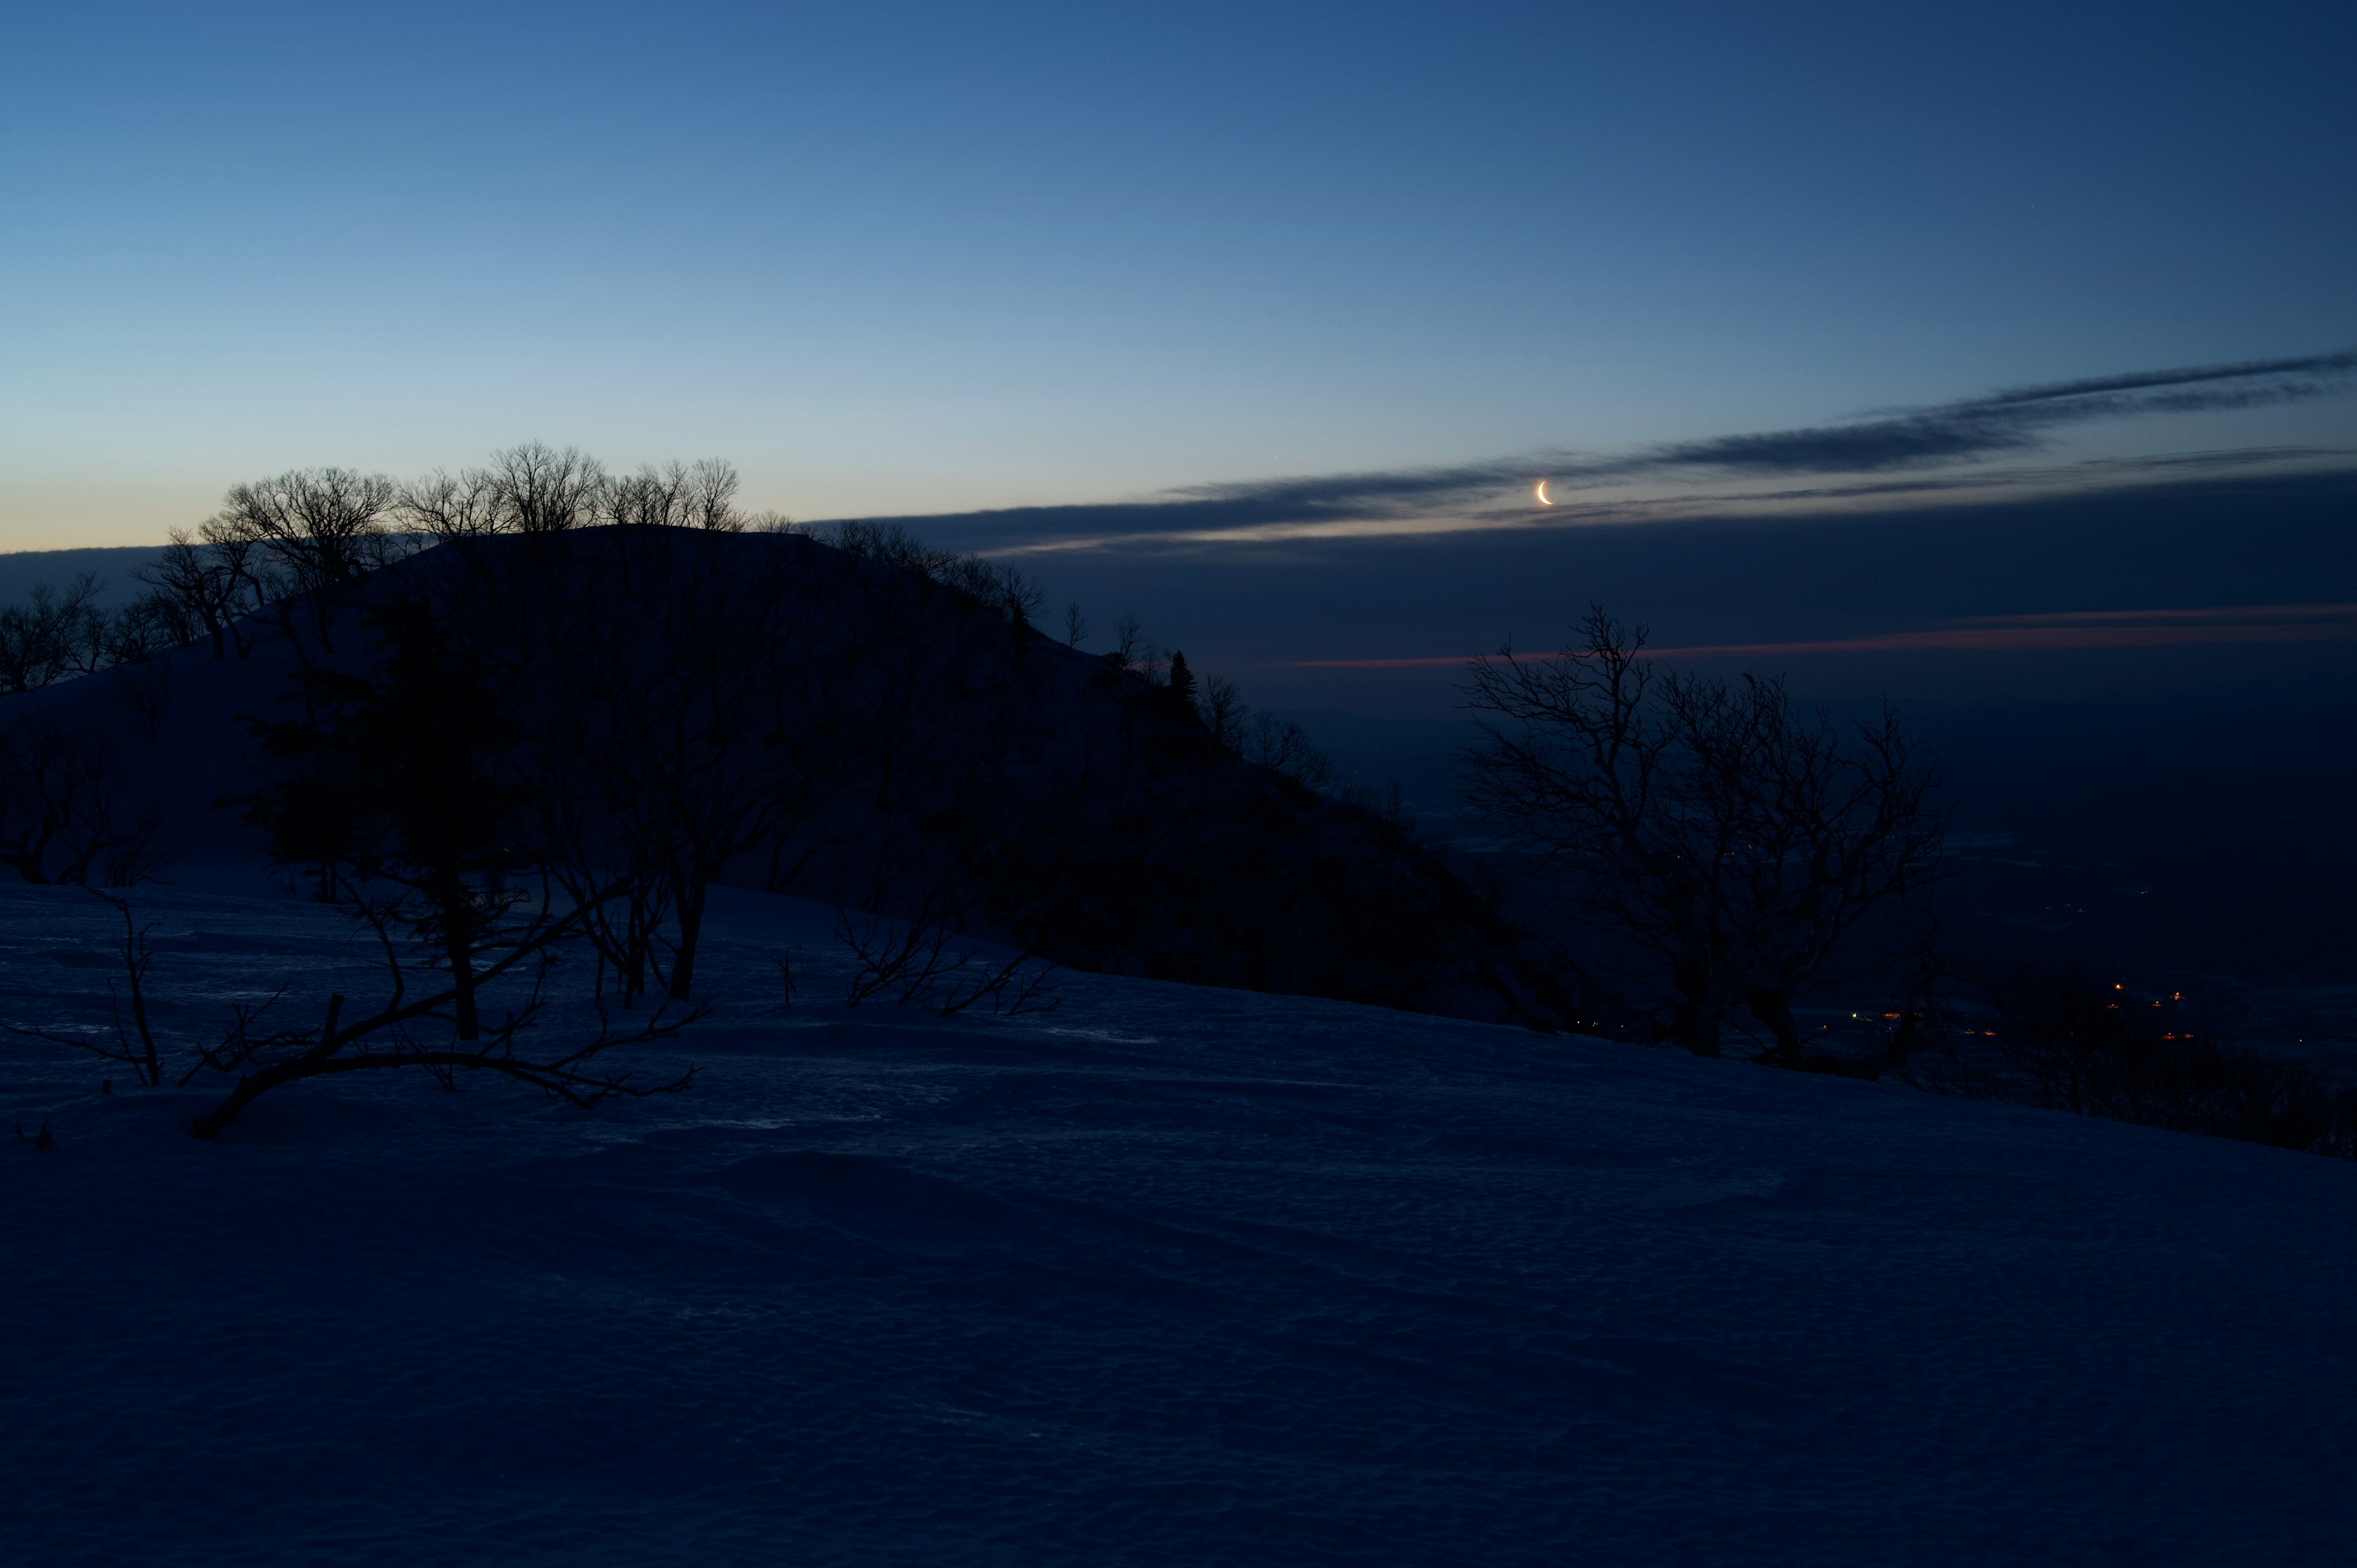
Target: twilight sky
{"x":1691,"y":261}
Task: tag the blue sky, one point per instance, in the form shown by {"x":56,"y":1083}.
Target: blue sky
{"x":938,"y":261}
{"x":911,"y":259}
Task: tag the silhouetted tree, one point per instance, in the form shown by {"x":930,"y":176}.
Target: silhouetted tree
{"x":448,"y":508}
{"x":532,"y":488}
{"x":52,"y":637}
{"x":65,"y":807}
{"x":698,"y":495}
{"x":1182,"y":684}
{"x":326,"y":527}
{"x":538,"y":490}
{"x":1223,"y":710}
{"x":1128,"y":649}
{"x":1282,"y":744}
{"x":145,"y":626}
{"x":206,"y":587}
{"x":399,"y":779}
{"x":407,"y":786}
{"x":696,"y":718}
{"x":1729,"y":836}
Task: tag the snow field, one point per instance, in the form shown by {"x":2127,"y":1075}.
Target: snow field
{"x":1170,"y":1275}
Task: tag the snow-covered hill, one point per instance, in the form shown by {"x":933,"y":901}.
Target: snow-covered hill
{"x":862,"y":728}
{"x":1168,"y":1275}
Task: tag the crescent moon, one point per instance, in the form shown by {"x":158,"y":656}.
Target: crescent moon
{"x":1540,"y":493}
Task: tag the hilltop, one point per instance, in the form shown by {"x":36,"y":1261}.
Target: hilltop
{"x":878,"y":728}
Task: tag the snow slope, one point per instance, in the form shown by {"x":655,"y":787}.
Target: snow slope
{"x":1170,"y":1276}
{"x":918,"y":746}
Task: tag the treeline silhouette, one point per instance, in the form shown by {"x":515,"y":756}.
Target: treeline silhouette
{"x":537,"y":707}
{"x":1717,"y":843}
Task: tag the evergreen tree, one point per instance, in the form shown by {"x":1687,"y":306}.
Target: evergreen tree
{"x":395,"y":779}
{"x":1182,"y":683}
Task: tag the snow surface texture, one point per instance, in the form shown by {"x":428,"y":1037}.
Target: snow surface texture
{"x":1170,"y":1276}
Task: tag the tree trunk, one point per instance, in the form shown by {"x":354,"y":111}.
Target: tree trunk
{"x":691,"y":923}
{"x":1774,"y":1009}
{"x":459,"y":949}
{"x":1694,"y":1016}
{"x":1695,"y":1025}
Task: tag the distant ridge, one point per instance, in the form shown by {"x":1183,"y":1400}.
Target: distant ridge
{"x":23,"y":570}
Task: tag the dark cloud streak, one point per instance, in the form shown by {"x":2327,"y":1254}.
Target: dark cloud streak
{"x":2003,"y":422}
{"x":2311,"y":365}
{"x":2008,"y":422}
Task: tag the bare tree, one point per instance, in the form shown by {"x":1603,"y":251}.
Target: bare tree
{"x":1129,"y":650}
{"x":404,"y":784}
{"x":1224,"y":711}
{"x":538,"y":490}
{"x":52,"y":637}
{"x":145,"y":626}
{"x":699,"y":725}
{"x":921,"y":960}
{"x":208,"y":586}
{"x":65,"y":813}
{"x":1284,"y":747}
{"x":709,"y":493}
{"x":1731,"y":839}
{"x":448,"y":507}
{"x":698,"y":495}
{"x":1003,"y":587}
{"x":325,"y":526}
{"x":520,"y":943}
{"x":425,"y":1026}
{"x":887,"y":544}
{"x":532,"y":488}
{"x":400,"y":780}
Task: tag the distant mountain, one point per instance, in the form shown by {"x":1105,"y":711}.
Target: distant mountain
{"x":22,"y":571}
